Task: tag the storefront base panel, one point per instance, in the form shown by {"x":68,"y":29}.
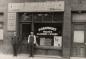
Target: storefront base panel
{"x":23,"y":50}
{"x":48,"y":52}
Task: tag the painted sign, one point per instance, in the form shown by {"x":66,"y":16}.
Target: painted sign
{"x":36,"y":6}
{"x":45,"y":28}
{"x":47,"y":31}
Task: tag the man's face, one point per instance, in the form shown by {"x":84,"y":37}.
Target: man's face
{"x":32,"y":33}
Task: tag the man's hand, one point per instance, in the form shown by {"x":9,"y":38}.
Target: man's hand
{"x":37,"y":44}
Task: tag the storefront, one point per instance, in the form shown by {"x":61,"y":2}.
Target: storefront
{"x":49,"y":23}
{"x":59,"y":26}
{"x":47,"y":27}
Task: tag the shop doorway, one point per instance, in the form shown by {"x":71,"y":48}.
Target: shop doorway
{"x":25,"y":29}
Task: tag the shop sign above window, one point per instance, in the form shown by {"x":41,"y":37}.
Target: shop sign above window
{"x":45,"y":28}
{"x":36,"y":6}
{"x":47,"y":31}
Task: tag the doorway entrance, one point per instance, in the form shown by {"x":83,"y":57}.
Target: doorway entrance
{"x":25,"y":29}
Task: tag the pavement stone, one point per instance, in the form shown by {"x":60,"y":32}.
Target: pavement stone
{"x":26,"y":56}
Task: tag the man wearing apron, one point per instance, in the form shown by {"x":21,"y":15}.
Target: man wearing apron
{"x":31,"y":43}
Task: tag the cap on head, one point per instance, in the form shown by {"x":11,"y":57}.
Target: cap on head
{"x":31,"y":33}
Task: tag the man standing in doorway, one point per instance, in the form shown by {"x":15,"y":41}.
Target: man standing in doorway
{"x":31,"y":42}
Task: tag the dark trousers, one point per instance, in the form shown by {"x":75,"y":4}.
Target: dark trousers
{"x":14,"y":50}
{"x":31,"y":49}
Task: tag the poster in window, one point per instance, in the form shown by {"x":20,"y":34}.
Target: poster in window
{"x":1,"y":34}
{"x":58,"y":41}
{"x":78,"y":36}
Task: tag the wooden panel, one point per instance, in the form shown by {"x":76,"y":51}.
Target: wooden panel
{"x":78,"y":5}
{"x":79,"y":17}
{"x":79,"y":27}
{"x":78,"y":50}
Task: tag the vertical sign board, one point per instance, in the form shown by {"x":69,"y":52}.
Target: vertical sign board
{"x":58,"y":41}
{"x":11,"y":21}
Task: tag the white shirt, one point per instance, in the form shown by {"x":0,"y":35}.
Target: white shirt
{"x":34,"y":39}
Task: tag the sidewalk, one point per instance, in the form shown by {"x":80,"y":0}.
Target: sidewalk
{"x":26,"y":56}
{"x":77,"y":58}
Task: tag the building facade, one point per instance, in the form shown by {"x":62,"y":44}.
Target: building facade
{"x":58,"y":24}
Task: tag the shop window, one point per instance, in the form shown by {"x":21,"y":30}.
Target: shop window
{"x":58,"y":16}
{"x":25,"y":16}
{"x":47,"y":17}
{"x":49,"y":34}
{"x":37,"y":16}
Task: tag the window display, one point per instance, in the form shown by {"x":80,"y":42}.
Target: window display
{"x":57,"y":41}
{"x":49,"y":34}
